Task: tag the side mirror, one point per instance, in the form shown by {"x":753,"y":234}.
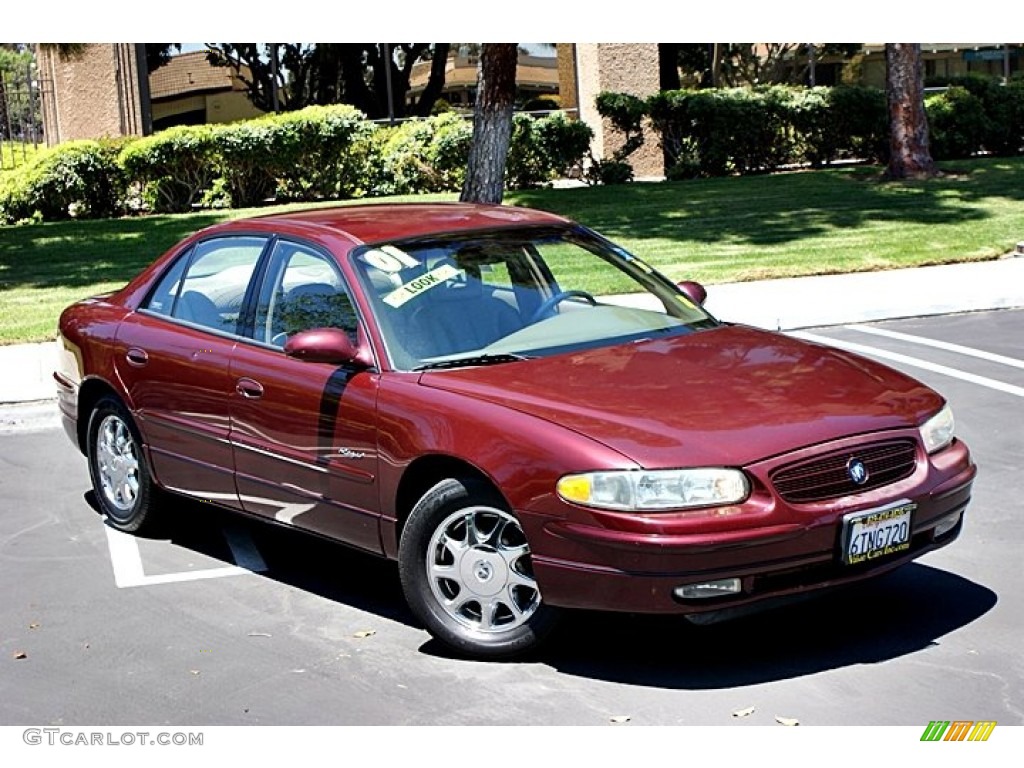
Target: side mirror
{"x":323,"y":345}
{"x":694,"y":290}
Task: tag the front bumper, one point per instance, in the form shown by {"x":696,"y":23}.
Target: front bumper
{"x":794,"y":551}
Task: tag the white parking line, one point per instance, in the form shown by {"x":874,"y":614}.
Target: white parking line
{"x":129,"y":572}
{"x":949,"y":347}
{"x":915,"y":362}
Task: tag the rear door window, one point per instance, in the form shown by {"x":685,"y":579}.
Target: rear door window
{"x":207,"y":286}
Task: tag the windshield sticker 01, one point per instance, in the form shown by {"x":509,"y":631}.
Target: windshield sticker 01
{"x":421,"y":284}
{"x":389,"y":259}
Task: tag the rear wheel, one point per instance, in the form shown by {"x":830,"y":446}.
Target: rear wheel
{"x":467,"y":573}
{"x":120,"y":475}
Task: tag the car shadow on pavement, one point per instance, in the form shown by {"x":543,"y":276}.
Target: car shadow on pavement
{"x":900,"y":613}
{"x":897,"y":614}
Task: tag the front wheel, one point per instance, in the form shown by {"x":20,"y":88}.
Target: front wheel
{"x":467,"y":574}
{"x":117,"y":466}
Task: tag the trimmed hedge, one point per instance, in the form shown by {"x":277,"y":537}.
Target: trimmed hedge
{"x":174,"y":167}
{"x":316,"y":153}
{"x":78,"y":179}
{"x":420,"y":156}
{"x":321,"y":152}
{"x":739,"y":130}
{"x":431,"y":155}
{"x":957,"y":125}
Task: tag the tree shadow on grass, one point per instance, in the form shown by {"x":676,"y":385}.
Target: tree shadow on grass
{"x":84,"y":253}
{"x":782,"y":208}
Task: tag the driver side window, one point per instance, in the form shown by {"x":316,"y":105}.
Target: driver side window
{"x":302,"y":290}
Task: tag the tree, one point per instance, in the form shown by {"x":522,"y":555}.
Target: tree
{"x":16,"y":65}
{"x":492,"y":123}
{"x":333,"y":73}
{"x":909,"y":155}
{"x":159,"y":54}
{"x":742,"y":64}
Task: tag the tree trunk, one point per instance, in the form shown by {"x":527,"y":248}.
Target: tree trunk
{"x":435,"y":84}
{"x":4,"y":133}
{"x":353,"y":73}
{"x":909,"y":156}
{"x":492,"y":123}
{"x":668,"y":67}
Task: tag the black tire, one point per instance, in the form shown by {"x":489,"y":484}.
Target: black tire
{"x":117,"y":466}
{"x":490,"y":606}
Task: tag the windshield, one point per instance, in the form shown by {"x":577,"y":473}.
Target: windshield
{"x":502,"y":295}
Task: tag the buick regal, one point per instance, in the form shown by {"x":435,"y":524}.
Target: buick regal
{"x":521,"y":413}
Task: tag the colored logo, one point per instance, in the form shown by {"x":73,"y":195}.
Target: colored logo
{"x":958,"y":730}
{"x":857,"y":471}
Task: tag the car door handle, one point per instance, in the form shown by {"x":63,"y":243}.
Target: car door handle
{"x":137,"y":357}
{"x":249,"y":388}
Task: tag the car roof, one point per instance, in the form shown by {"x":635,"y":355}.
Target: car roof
{"x":385,"y":222}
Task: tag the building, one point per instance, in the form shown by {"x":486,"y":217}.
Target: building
{"x":102,"y":91}
{"x":99,"y":90}
{"x":944,"y":60}
{"x":188,"y":90}
{"x":536,"y":77}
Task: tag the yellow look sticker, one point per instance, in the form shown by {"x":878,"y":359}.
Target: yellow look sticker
{"x":423,"y":283}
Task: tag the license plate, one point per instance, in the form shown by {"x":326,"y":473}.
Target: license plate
{"x":877,"y":532}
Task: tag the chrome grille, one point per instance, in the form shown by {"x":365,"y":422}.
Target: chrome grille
{"x":826,"y":476}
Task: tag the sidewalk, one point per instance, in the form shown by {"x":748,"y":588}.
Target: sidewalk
{"x":786,"y":304}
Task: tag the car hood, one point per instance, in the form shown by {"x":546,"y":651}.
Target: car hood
{"x":727,"y":396}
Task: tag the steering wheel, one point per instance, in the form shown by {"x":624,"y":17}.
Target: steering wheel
{"x":552,"y":301}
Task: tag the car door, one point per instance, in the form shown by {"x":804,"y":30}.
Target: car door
{"x":304,"y":433}
{"x":173,"y":358}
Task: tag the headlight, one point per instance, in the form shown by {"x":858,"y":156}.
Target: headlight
{"x":657,"y":490}
{"x":937,"y":432}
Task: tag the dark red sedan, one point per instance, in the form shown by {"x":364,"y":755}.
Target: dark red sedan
{"x":523,"y":414}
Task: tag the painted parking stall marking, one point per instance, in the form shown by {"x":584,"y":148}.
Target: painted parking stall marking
{"x":914,"y":362}
{"x":938,"y":344}
{"x":129,"y":571}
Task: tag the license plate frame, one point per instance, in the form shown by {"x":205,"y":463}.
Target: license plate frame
{"x":873,"y":533}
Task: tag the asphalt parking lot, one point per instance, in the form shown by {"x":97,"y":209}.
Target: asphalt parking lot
{"x":230,"y":622}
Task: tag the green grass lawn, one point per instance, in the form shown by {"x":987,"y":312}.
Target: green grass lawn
{"x":712,"y":230}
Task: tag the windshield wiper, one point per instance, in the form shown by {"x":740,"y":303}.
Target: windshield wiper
{"x":472,"y":360}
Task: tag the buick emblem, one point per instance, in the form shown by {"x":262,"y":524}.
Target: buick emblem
{"x":857,"y":471}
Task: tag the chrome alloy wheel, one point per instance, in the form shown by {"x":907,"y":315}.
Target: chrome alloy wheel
{"x":479,"y":569}
{"x":117,"y":463}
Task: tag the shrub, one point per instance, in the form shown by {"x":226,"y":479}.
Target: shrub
{"x":563,"y":142}
{"x":78,"y":179}
{"x":860,"y":119}
{"x":956,"y":122}
{"x":544,"y":148}
{"x":248,"y":159}
{"x":175,"y":167}
{"x":1004,"y":107}
{"x":728,"y":130}
{"x":738,"y":130}
{"x":526,"y":166}
{"x":421,"y":156}
{"x":815,"y":137}
{"x":626,"y":113}
{"x":609,"y":172}
{"x":321,"y":152}
{"x":448,"y":151}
